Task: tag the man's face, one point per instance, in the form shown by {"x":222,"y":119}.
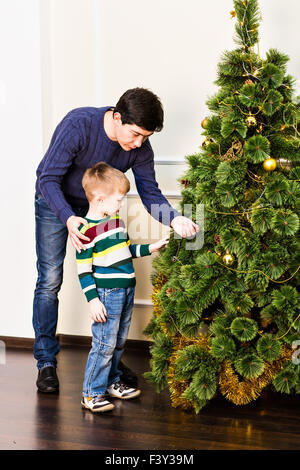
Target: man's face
{"x":129,"y":136}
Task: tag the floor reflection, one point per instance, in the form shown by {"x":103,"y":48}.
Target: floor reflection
{"x":33,"y":420}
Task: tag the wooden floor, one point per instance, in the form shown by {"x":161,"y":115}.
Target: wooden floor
{"x":31,"y":420}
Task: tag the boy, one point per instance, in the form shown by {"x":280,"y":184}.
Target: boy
{"x":119,"y":136}
{"x":108,"y":281}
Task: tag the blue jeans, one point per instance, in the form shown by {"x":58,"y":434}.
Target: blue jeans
{"x":108,"y":341}
{"x":51,"y":239}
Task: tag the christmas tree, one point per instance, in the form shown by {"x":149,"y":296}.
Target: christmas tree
{"x":226,"y":316}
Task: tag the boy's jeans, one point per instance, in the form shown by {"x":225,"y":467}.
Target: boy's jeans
{"x":108,"y":341}
{"x":51,"y":238}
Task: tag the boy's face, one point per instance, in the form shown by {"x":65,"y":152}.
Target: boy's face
{"x":129,"y":136}
{"x":110,"y":204}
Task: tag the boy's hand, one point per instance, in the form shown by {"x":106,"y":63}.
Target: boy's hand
{"x":97,"y":310}
{"x":158,"y":245}
{"x":73,"y":223}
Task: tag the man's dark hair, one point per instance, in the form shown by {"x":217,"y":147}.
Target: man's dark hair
{"x":141,"y":107}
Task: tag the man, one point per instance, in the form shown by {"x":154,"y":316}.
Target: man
{"x":119,"y":136}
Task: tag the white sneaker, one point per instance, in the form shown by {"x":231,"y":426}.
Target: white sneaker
{"x":96,"y":404}
{"x":120,"y":390}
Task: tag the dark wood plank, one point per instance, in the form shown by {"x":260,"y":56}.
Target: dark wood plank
{"x":30,"y":420}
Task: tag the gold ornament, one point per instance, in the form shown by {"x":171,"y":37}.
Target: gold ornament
{"x":269,"y":164}
{"x":206,"y":142}
{"x":205,"y":123}
{"x":234,"y":153}
{"x":250,"y":121}
{"x":228,"y":258}
{"x":233,"y":13}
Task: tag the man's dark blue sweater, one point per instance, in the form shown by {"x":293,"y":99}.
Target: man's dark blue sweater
{"x":79,"y":141}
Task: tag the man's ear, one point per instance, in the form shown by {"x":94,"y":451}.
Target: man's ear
{"x":118,"y":117}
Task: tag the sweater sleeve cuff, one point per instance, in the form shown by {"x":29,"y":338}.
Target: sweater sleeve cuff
{"x":91,"y":294}
{"x":65,"y":213}
{"x":144,"y":250}
{"x":164,"y":213}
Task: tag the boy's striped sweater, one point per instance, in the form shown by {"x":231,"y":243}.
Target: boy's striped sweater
{"x":107,"y":260}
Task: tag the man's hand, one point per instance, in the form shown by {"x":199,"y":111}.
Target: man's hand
{"x":184,"y":226}
{"x":97,"y":310}
{"x":158,"y":245}
{"x":73,"y":223}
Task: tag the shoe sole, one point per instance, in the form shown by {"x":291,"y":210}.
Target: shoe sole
{"x":48,"y":390}
{"x":133,"y":395}
{"x":98,"y":410}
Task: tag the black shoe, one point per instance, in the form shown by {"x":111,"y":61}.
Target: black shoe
{"x":47,"y":380}
{"x":128,"y":376}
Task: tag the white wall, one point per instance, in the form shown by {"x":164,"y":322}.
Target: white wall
{"x":91,"y":52}
{"x":171,"y":47}
{"x":21,"y":148}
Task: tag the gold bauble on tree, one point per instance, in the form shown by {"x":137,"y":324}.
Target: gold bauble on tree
{"x":269,"y":164}
{"x":204,"y":123}
{"x":228,"y":258}
{"x":206,"y":142}
{"x":250,"y":121}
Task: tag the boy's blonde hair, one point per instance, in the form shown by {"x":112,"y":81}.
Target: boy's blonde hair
{"x":105,"y":178}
